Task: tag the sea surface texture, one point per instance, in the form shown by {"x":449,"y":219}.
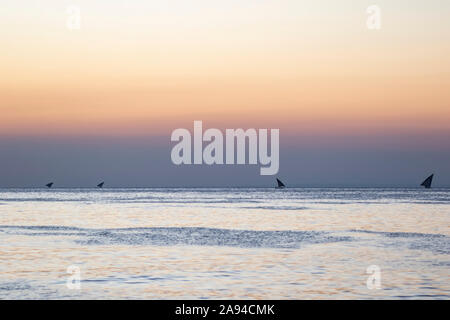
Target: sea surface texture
{"x":224,"y":243}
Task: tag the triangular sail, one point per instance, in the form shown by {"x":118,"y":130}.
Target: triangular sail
{"x":49,"y":185}
{"x":100,"y":185}
{"x":427,"y":182}
{"x":280,"y":184}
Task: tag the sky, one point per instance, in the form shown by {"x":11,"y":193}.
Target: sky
{"x":355,"y":107}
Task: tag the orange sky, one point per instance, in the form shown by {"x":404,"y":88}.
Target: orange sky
{"x":150,"y":68}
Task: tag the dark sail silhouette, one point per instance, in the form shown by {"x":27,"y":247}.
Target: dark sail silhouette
{"x":49,"y":185}
{"x":280,"y":184}
{"x":427,"y":182}
{"x":100,"y":185}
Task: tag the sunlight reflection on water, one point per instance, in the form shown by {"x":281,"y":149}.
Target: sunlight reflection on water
{"x":224,"y":243}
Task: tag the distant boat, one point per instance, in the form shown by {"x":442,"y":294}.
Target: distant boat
{"x":427,"y":182}
{"x":100,"y":185}
{"x":280,"y":184}
{"x":49,"y":185}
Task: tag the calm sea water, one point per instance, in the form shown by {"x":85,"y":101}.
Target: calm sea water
{"x":224,"y":243}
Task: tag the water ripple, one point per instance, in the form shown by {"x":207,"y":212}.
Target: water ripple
{"x":182,"y":236}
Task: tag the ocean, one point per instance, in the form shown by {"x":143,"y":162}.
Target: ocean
{"x":225,"y":243}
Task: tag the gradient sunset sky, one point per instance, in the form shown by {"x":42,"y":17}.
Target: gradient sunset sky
{"x":355,"y":107}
